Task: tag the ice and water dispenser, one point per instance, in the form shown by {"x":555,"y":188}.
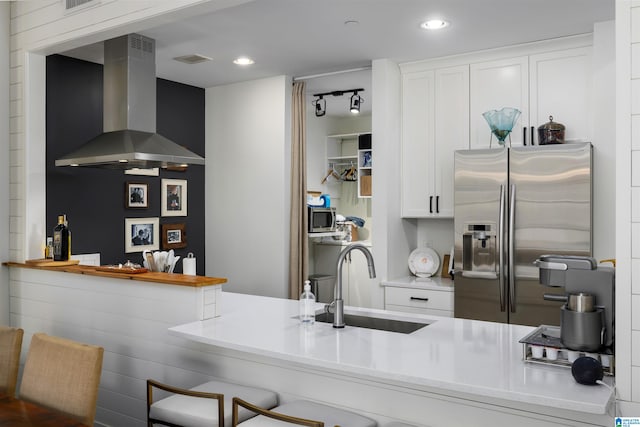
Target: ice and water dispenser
{"x":479,"y":248}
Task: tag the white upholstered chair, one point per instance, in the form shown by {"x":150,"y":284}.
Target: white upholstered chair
{"x":204,"y":405}
{"x":299,"y":412}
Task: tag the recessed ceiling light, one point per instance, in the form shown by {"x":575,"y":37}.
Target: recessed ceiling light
{"x":434,"y":24}
{"x":243,"y":60}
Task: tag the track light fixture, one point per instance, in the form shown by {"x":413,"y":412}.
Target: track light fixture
{"x":356,"y":100}
{"x":321,"y":104}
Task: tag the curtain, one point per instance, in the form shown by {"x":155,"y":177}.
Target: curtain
{"x":298,"y":245}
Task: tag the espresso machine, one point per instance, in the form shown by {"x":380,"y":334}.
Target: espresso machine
{"x":587,"y":317}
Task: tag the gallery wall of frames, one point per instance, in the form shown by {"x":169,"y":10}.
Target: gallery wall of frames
{"x":110,"y":212}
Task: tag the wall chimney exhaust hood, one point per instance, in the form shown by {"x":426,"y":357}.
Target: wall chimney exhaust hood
{"x":130,"y":139}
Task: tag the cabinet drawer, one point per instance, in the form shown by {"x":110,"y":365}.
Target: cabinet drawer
{"x":405,"y":309}
{"x":419,"y":298}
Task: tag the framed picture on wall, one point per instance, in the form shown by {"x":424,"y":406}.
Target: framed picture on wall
{"x":136,"y":195}
{"x":141,"y":234}
{"x":174,"y":236}
{"x":174,"y":197}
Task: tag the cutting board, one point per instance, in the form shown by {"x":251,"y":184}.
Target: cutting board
{"x":48,"y":262}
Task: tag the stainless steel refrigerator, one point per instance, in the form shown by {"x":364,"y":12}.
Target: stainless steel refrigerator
{"x":511,"y":206}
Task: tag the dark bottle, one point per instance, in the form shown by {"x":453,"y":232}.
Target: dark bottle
{"x":61,"y":240}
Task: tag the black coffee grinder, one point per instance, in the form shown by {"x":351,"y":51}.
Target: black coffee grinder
{"x":587,"y":317}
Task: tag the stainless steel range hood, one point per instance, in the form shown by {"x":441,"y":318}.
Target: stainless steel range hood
{"x":130,"y":139}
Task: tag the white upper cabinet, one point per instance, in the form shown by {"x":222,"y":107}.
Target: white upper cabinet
{"x":557,"y":83}
{"x":452,"y":131}
{"x":435,"y":123}
{"x":560,"y":86}
{"x":443,"y":101}
{"x":494,"y":85}
{"x":418,"y":118}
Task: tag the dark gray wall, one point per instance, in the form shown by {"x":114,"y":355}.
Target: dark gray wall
{"x":94,"y":199}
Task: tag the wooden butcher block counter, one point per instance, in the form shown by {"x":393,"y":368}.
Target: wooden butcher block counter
{"x":149,"y":276}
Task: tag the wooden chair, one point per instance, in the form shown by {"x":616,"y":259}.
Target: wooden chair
{"x":194,"y":407}
{"x":299,"y":412}
{"x":10,"y":346}
{"x":64,"y":375}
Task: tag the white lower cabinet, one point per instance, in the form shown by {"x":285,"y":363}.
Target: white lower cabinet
{"x":422,"y":301}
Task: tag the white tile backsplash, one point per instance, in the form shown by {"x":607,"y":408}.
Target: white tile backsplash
{"x":635,"y":60}
{"x":635,"y":168}
{"x":635,"y":348}
{"x":635,"y":96}
{"x":635,"y":204}
{"x":87,"y":259}
{"x":635,"y":25}
{"x":635,"y":132}
{"x":635,"y":276}
{"x":635,"y":240}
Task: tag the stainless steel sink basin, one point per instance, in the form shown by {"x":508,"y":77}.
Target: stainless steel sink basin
{"x":390,"y":325}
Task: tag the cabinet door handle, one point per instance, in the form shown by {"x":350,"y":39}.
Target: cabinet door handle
{"x":532,"y":133}
{"x":437,"y":204}
{"x":430,"y":204}
{"x":524,"y":135}
{"x":418,"y":299}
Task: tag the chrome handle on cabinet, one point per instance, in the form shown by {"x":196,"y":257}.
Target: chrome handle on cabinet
{"x":430,"y":204}
{"x":418,"y":299}
{"x":512,"y":273}
{"x":524,"y":136}
{"x":437,"y":204}
{"x":501,"y":287}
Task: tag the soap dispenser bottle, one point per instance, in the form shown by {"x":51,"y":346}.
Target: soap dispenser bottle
{"x":307,"y":305}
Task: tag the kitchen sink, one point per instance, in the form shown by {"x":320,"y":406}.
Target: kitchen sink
{"x":389,"y":325}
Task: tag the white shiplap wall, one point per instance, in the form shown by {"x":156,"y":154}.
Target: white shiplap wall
{"x":4,"y":155}
{"x":628,"y":205}
{"x":129,"y":319}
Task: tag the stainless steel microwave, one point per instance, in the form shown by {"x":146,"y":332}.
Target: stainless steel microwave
{"x":321,"y":219}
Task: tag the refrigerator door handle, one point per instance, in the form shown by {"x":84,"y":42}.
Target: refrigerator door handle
{"x":511,"y":267}
{"x":501,"y":284}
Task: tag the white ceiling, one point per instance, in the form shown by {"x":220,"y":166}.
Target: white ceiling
{"x":310,"y":37}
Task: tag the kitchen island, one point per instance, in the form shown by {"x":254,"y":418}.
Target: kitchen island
{"x":451,"y":372}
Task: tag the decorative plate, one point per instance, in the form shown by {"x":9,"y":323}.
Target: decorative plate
{"x":424,"y":262}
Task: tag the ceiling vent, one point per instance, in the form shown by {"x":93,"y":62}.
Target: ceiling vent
{"x":75,"y":5}
{"x":192,"y":59}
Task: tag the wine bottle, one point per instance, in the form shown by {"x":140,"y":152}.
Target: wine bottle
{"x":61,"y":240}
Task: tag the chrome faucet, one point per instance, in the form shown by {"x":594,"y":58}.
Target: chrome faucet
{"x":338,"y":303}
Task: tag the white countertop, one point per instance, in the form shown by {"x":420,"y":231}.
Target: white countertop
{"x":450,"y":355}
{"x":434,"y":283}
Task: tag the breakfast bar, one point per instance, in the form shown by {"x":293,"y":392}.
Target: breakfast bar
{"x":455,"y":371}
{"x":450,"y":372}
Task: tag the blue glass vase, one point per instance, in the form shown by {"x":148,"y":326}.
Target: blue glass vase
{"x":501,"y":122}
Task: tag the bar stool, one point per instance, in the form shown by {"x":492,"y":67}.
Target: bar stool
{"x":193,"y":407}
{"x":300,"y":412}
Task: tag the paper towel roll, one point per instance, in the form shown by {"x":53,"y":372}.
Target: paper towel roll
{"x":189,"y":265}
